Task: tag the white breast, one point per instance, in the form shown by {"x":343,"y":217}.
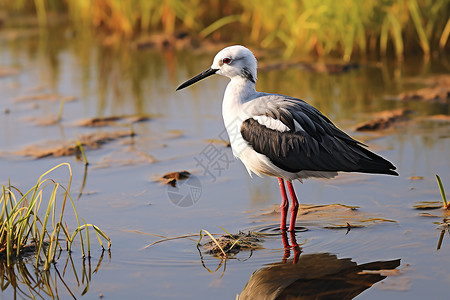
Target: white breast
{"x":236,"y":108}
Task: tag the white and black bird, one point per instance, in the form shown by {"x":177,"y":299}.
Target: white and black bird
{"x":282,"y":136}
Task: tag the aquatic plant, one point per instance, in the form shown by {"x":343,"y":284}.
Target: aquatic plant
{"x":24,"y":221}
{"x":441,"y":189}
{"x":83,"y":154}
{"x":213,"y":239}
{"x":319,"y":26}
{"x":228,"y":245}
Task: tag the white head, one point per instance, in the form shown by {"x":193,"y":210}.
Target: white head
{"x":233,"y":61}
{"x":236,"y":61}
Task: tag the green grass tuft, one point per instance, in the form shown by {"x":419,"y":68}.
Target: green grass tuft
{"x":27,"y":220}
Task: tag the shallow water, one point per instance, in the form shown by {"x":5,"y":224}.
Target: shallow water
{"x":122,"y":196}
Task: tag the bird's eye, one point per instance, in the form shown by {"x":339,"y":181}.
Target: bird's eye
{"x":226,"y":60}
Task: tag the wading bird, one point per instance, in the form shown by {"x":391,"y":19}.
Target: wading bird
{"x":282,"y":136}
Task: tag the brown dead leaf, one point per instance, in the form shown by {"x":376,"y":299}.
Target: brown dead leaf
{"x":428,"y":215}
{"x":88,"y":141}
{"x":172,"y":177}
{"x":111,"y":120}
{"x":217,"y":141}
{"x":424,"y":205}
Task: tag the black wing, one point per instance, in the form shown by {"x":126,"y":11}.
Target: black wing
{"x":320,"y":146}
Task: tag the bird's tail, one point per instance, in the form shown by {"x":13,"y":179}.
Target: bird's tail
{"x":375,"y":164}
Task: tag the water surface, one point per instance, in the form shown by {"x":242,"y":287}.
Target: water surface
{"x":122,"y":196}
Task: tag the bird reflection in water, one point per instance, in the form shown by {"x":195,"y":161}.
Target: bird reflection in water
{"x":313,"y":276}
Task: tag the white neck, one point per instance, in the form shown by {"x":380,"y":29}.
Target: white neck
{"x":239,"y":91}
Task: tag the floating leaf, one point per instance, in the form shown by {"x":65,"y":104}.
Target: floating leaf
{"x":428,"y":205}
{"x":428,"y":215}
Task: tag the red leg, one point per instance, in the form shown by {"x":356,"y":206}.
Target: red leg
{"x":294,"y":207}
{"x":284,"y":204}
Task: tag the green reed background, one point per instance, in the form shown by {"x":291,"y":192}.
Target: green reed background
{"x":322,"y":27}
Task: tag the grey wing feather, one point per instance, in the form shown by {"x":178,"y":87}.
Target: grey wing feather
{"x":320,"y":146}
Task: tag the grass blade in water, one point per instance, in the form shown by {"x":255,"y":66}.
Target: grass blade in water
{"x":441,"y":189}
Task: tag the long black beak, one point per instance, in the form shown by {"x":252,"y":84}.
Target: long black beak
{"x":199,"y":77}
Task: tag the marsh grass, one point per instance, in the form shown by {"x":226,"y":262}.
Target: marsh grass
{"x":213,"y":239}
{"x":441,"y":189}
{"x":61,"y":110}
{"x":83,"y":154}
{"x":223,"y":247}
{"x":34,"y":220}
{"x":220,"y":246}
{"x":444,"y":225}
{"x":309,"y":26}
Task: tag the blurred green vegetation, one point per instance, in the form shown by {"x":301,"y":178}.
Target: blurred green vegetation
{"x":322,"y":27}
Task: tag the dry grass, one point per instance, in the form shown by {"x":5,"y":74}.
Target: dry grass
{"x":30,"y":220}
{"x":312,"y":26}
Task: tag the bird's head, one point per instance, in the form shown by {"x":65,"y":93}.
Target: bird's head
{"x":233,"y":61}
